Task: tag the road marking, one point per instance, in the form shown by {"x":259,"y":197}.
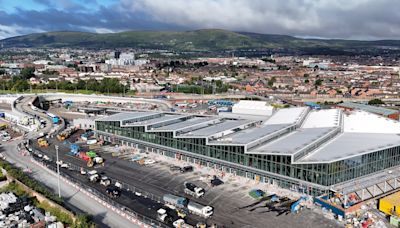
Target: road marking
{"x":217,"y":197}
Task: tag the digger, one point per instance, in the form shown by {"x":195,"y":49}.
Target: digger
{"x":95,"y":161}
{"x":42,"y":142}
{"x":61,"y":136}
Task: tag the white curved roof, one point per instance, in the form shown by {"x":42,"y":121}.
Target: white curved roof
{"x":364,"y":122}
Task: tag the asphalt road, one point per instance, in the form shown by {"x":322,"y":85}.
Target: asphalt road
{"x":101,"y":215}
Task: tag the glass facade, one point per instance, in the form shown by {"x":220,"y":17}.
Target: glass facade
{"x":324,"y":174}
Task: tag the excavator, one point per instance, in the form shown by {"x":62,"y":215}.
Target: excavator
{"x":42,"y":142}
{"x":95,"y":161}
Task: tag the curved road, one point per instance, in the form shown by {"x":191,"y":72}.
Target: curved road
{"x":103,"y":216}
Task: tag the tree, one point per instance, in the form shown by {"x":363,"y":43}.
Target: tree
{"x":83,"y":221}
{"x":318,"y":82}
{"x":21,"y":85}
{"x":376,"y":102}
{"x":27,"y":72}
{"x":306,"y":81}
{"x":2,"y":72}
{"x":271,"y":81}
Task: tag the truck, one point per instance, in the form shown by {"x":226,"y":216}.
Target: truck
{"x":180,"y":223}
{"x":105,"y":181}
{"x":199,"y":209}
{"x":162,"y":215}
{"x":94,"y":177}
{"x":193,"y":190}
{"x":174,"y":201}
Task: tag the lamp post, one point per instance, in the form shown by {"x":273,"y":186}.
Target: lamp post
{"x":58,"y":173}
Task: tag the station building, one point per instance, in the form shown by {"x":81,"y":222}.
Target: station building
{"x":304,"y":150}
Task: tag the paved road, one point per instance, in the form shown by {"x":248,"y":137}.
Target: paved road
{"x":102,"y":216}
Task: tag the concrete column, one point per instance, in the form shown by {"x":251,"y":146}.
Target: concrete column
{"x":362,"y":194}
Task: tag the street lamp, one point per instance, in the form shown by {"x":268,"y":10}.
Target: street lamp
{"x":58,"y":173}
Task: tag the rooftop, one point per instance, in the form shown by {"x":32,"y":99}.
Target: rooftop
{"x":164,"y":118}
{"x":249,"y":135}
{"x":322,"y":118}
{"x":368,"y":108}
{"x":364,"y":122}
{"x":126,"y":116}
{"x":308,"y":136}
{"x":287,"y":116}
{"x":223,"y":127}
{"x":348,"y":145}
{"x":185,"y":123}
{"x":292,"y":142}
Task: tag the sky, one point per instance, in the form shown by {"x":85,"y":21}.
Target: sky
{"x":346,"y":19}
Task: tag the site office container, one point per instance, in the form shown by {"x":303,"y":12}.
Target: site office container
{"x":390,"y":205}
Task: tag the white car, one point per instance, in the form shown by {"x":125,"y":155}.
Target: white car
{"x":149,"y":161}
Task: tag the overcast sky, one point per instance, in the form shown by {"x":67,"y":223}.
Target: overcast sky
{"x":349,"y":19}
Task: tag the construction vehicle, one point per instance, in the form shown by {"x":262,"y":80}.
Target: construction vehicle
{"x":66,"y":133}
{"x":42,"y":142}
{"x":94,"y":178}
{"x":174,"y":202}
{"x":163,"y":216}
{"x":3,"y":126}
{"x":181,"y":213}
{"x":61,"y":136}
{"x":83,"y":156}
{"x":256,"y":193}
{"x":105,"y":181}
{"x":199,"y":209}
{"x":296,"y":206}
{"x":193,"y":190}
{"x":180,"y":223}
{"x":95,"y":161}
{"x":73,"y":149}
{"x":85,"y":136}
{"x":91,"y":154}
{"x":201,"y":225}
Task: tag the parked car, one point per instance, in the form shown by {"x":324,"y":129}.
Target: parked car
{"x":216,"y":181}
{"x":113,"y":191}
{"x":188,"y":168}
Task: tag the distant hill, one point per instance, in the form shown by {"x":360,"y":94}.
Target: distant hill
{"x":198,"y":40}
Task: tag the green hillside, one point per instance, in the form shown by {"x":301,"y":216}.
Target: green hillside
{"x":198,"y":40}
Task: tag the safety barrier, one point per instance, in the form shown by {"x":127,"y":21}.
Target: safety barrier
{"x":127,"y":213}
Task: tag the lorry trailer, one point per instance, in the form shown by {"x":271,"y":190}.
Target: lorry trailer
{"x":199,"y":209}
{"x":175,"y":201}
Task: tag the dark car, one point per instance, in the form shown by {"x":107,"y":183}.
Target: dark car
{"x":113,"y":192}
{"x":188,"y":168}
{"x":216,"y":181}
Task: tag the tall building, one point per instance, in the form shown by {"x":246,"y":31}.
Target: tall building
{"x":122,"y":59}
{"x":297,"y":148}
